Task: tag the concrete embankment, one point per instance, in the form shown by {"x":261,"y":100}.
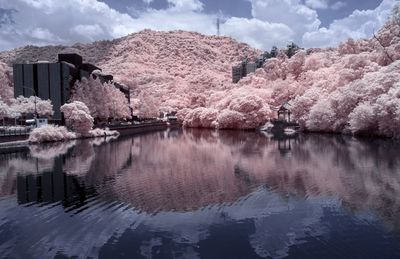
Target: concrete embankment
{"x":14,"y":146}
{"x":142,"y":128}
{"x":10,"y":144}
{"x":13,"y":138}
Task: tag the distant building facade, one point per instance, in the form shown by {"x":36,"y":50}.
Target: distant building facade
{"x":250,"y":67}
{"x":54,"y":81}
{"x":246,"y":67}
{"x":237,"y":73}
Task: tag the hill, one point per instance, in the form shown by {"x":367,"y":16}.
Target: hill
{"x":353,"y":88}
{"x":167,"y":70}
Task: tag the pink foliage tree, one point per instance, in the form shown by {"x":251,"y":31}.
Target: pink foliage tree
{"x":4,"y":110}
{"x":26,"y":105}
{"x":77,"y":116}
{"x":6,"y":86}
{"x":103,"y":100}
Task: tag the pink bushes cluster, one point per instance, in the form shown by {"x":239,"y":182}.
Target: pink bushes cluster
{"x":77,"y":116}
{"x":102,"y":132}
{"x":4,"y":110}
{"x":103,"y":100}
{"x":26,"y":105}
{"x":350,"y":89}
{"x":6,"y":89}
{"x":22,"y":106}
{"x":50,"y":133}
{"x":11,"y":107}
{"x":240,"y":108}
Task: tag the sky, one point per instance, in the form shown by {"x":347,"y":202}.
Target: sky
{"x":260,"y":23}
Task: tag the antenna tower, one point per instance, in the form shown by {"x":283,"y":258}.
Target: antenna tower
{"x":218,"y":26}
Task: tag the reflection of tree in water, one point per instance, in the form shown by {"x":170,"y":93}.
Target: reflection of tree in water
{"x":364,"y":174}
{"x":80,"y":158}
{"x":50,"y":150}
{"x":183,"y":173}
{"x":109,"y":159}
{"x":19,"y":162}
{"x":193,"y":169}
{"x":199,"y":168}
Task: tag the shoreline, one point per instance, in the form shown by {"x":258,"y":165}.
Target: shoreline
{"x":123,"y":130}
{"x":6,"y":146}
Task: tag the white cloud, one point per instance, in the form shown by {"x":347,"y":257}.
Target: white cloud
{"x":338,"y":5}
{"x":186,"y":5}
{"x":88,"y":31}
{"x":42,"y":34}
{"x":274,"y":22}
{"x":57,"y":18}
{"x":360,"y":24}
{"x":289,"y":12}
{"x":297,"y":17}
{"x":317,"y":4}
{"x":259,"y":34}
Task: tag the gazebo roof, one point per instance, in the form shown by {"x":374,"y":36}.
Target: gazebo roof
{"x":285,"y":107}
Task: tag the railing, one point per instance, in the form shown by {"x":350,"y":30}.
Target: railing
{"x":14,"y":132}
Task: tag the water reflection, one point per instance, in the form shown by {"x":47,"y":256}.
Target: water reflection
{"x":189,"y":193}
{"x":52,"y":186}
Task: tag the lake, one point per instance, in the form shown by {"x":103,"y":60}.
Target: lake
{"x":202,"y":194}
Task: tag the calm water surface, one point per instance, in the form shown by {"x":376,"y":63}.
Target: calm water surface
{"x":202,"y":194}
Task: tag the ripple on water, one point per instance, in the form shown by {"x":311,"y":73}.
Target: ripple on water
{"x":191,"y":193}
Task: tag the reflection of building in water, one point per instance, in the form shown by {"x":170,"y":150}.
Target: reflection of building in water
{"x":51,"y":186}
{"x":285,"y":142}
{"x":150,"y":173}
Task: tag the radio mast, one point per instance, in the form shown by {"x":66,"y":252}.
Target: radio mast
{"x":218,"y":26}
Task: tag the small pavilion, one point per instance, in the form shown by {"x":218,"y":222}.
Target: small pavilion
{"x":284,"y":112}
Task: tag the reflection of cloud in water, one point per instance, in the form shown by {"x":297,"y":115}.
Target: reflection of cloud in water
{"x":80,"y":159}
{"x":196,"y":169}
{"x":274,"y":234}
{"x":85,"y":233}
{"x":182,"y":186}
{"x":52,"y":230}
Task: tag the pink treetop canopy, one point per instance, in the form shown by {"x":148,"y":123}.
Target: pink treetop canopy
{"x":6,"y":89}
{"x":103,"y":100}
{"x":77,"y":116}
{"x":26,"y":105}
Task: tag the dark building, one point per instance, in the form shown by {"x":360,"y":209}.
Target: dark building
{"x":54,"y":81}
{"x":251,"y":67}
{"x":236,"y":73}
{"x":46,"y":80}
{"x":242,"y":70}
